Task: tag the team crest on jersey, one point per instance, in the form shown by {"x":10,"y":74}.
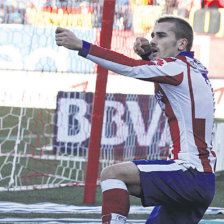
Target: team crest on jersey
{"x":159,"y":62}
{"x":159,"y":96}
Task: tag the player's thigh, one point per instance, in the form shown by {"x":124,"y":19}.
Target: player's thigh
{"x":126,"y":171}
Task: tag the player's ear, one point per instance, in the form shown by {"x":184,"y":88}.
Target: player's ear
{"x":182,"y":44}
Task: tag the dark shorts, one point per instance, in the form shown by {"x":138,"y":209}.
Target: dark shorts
{"x":180,"y":195}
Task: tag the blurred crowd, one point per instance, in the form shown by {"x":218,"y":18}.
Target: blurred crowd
{"x":18,"y":11}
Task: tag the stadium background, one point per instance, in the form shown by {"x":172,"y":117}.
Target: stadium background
{"x":34,"y":72}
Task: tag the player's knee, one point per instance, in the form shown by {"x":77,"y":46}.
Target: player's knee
{"x":107,"y":173}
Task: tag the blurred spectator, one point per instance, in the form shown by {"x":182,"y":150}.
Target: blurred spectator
{"x":1,"y":11}
{"x":184,"y":6}
{"x":97,"y":15}
{"x":38,"y":4}
{"x":13,"y":11}
{"x":161,"y":3}
{"x":123,"y":16}
{"x":127,"y":18}
{"x":213,"y":3}
{"x":170,"y":5}
{"x":210,"y":3}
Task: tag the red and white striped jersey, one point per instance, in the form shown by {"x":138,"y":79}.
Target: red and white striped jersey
{"x":184,"y":93}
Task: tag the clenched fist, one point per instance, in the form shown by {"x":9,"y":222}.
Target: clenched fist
{"x":68,"y":39}
{"x":142,"y":46}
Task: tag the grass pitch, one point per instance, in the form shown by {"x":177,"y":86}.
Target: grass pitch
{"x":74,"y":196}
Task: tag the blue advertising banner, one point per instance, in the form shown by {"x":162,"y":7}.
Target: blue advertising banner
{"x":33,"y":48}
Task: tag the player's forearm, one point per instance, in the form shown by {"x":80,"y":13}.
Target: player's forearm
{"x":112,"y":60}
{"x":140,"y":69}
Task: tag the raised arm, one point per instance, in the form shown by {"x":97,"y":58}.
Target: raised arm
{"x":159,"y":70}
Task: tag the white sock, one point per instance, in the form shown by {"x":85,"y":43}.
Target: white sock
{"x":117,"y":219}
{"x":113,"y":184}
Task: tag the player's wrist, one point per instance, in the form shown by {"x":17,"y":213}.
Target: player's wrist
{"x":79,"y":45}
{"x":85,"y":47}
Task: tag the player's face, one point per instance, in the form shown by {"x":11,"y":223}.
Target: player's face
{"x":164,"y":43}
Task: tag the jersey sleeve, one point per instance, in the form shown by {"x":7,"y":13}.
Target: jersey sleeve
{"x":164,"y":70}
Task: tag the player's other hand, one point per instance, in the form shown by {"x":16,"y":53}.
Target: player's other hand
{"x":68,"y":39}
{"x":142,"y":46}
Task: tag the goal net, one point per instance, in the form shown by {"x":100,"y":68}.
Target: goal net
{"x":43,"y":148}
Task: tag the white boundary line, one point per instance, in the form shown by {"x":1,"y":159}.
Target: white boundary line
{"x":83,"y":220}
{"x":47,"y":207}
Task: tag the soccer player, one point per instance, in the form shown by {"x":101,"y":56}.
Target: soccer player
{"x":182,"y":187}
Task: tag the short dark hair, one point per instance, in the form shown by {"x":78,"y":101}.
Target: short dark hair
{"x":182,"y":28}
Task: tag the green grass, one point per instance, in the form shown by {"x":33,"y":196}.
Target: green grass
{"x":74,"y":196}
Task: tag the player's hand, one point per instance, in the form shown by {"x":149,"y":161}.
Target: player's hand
{"x":68,"y":39}
{"x":142,"y":46}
